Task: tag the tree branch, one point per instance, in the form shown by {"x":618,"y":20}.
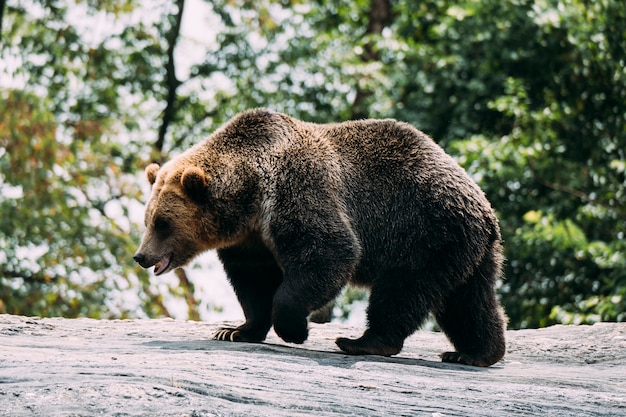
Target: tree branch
{"x":2,"y":6}
{"x":28,"y":276}
{"x":171,"y":82}
{"x":189,"y":289}
{"x":585,"y":197}
{"x":194,"y":128}
{"x":155,"y":300}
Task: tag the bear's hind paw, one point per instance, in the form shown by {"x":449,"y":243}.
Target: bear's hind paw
{"x":466,"y":359}
{"x":366,"y":346}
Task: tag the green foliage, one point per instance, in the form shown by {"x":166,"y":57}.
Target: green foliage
{"x":553,"y":169}
{"x":530,"y":95}
{"x":67,"y":182}
{"x":344,"y":302}
{"x":61,"y":253}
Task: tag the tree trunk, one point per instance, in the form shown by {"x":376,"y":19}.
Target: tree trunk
{"x":379,"y":17}
{"x":171,"y":82}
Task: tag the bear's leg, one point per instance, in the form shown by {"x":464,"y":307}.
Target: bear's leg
{"x":473,"y":319}
{"x":393,"y":314}
{"x":290,"y":316}
{"x":324,"y":314}
{"x":256,"y":303}
{"x":255,"y":276}
{"x":312,"y":237}
{"x":316,"y":268}
{"x":301,"y":294}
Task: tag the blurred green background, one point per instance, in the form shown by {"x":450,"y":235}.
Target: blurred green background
{"x":528,"y":95}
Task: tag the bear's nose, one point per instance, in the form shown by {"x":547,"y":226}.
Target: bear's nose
{"x":140,"y":258}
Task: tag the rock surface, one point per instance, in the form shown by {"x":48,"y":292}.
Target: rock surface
{"x":83,"y":367}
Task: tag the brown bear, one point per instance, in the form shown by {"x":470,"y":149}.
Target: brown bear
{"x":298,"y":210}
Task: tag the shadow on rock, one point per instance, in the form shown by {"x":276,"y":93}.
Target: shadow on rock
{"x":327,"y":358}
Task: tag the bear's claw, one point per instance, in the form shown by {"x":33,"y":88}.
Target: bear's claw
{"x":227,"y":335}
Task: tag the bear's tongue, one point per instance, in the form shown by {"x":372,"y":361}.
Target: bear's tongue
{"x":162,"y":265}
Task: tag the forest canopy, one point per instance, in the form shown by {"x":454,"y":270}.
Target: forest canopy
{"x":528,"y":95}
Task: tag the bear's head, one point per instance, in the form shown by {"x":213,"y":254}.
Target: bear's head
{"x":187,"y":214}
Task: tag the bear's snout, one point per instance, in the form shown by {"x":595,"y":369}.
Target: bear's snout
{"x":140,"y":258}
{"x":160,"y":265}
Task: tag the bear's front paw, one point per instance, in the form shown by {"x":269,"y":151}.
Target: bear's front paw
{"x":292,"y":329}
{"x":228,"y":335}
{"x":244,"y":333}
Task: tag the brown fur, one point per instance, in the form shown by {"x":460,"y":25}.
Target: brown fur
{"x":297,"y":210}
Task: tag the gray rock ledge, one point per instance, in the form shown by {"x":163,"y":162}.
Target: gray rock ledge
{"x":83,"y":367}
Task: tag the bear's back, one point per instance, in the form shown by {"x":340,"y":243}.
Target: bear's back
{"x":386,"y":145}
{"x":403,"y":192}
{"x":394,"y":159}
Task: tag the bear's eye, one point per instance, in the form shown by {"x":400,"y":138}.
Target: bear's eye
{"x":161,"y":226}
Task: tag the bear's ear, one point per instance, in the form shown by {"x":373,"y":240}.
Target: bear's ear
{"x":151,"y":173}
{"x":193,"y":181}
